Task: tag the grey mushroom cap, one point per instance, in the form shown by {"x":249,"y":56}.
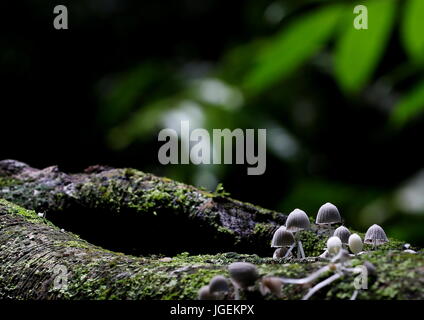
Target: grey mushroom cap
{"x":297,"y":220}
{"x":244,"y":274}
{"x":328,"y":214}
{"x":218,"y":284}
{"x":282,"y":238}
{"x":280,"y":253}
{"x":375,"y":235}
{"x":205,"y":294}
{"x":343,"y":233}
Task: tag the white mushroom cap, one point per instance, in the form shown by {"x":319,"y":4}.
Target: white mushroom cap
{"x":218,"y":284}
{"x":343,"y":233}
{"x":297,"y":220}
{"x":244,"y":274}
{"x":355,"y":243}
{"x":282,"y":238}
{"x":375,"y":235}
{"x":328,"y":214}
{"x":334,"y":244}
{"x":205,"y":294}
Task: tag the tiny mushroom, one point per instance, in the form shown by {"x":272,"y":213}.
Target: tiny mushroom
{"x":355,"y":244}
{"x":205,"y":294}
{"x":334,"y":244}
{"x":297,"y":221}
{"x":327,"y":215}
{"x":244,"y":274}
{"x":280,"y":253}
{"x":343,"y":233}
{"x":271,"y":285}
{"x":375,"y":235}
{"x":218,"y":284}
{"x":282,"y":238}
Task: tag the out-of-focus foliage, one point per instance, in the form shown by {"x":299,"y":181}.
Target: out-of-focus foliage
{"x":343,"y":108}
{"x":255,"y":77}
{"x":412,"y":29}
{"x":284,"y":53}
{"x":412,"y":104}
{"x":359,"y":51}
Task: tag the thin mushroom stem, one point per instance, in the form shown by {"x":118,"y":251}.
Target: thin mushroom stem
{"x":290,"y":250}
{"x":302,"y":253}
{"x":354,"y":295}
{"x":298,"y":243}
{"x":308,"y":279}
{"x":322,"y":284}
{"x":236,"y":290}
{"x":236,"y":293}
{"x":352,"y":270}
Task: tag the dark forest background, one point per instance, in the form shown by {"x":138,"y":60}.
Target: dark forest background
{"x":342,"y":107}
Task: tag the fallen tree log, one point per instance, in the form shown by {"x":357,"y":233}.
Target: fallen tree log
{"x":111,"y":200}
{"x":32,"y":251}
{"x":38,"y":260}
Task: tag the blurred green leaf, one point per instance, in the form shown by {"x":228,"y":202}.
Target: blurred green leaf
{"x":358,"y":51}
{"x":412,"y":29}
{"x":291,"y":47}
{"x":122,"y":95}
{"x":139,"y":125}
{"x":409,"y":106}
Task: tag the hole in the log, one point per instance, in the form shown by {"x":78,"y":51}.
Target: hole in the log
{"x":140,"y":234}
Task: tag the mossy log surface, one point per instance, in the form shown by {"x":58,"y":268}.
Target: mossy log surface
{"x":32,"y":247}
{"x":126,"y":198}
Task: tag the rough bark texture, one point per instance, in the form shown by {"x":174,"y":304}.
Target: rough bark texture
{"x":127,"y":198}
{"x":33,"y":249}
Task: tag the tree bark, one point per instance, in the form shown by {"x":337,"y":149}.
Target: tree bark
{"x":106,"y":198}
{"x":38,"y":260}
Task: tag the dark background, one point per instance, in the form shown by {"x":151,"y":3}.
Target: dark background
{"x":99,"y":93}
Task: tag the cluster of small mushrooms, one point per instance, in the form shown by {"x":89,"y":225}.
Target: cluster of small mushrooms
{"x":245,"y":276}
{"x":287,"y":237}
